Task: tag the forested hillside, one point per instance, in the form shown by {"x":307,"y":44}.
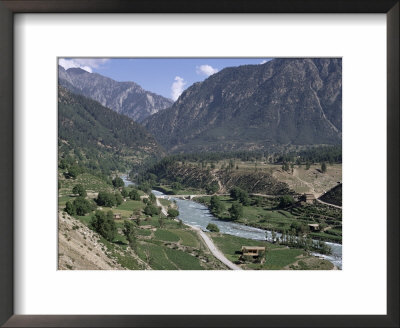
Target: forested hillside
{"x":98,"y":138}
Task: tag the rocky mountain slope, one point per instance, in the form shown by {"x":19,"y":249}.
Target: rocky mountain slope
{"x":126,"y":98}
{"x":284,"y":101}
{"x":79,"y":247}
{"x":195,"y":177}
{"x":333,"y":196}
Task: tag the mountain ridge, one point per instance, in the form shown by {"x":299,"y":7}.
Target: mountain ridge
{"x":284,"y":101}
{"x":127,"y":98}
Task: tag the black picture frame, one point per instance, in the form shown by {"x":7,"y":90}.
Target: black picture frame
{"x":10,"y":7}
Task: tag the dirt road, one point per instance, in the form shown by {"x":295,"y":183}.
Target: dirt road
{"x":210,"y":244}
{"x":215,"y":251}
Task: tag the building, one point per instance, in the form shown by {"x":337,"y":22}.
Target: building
{"x":117,"y":216}
{"x":308,"y":198}
{"x":254,"y":252}
{"x":314,"y":226}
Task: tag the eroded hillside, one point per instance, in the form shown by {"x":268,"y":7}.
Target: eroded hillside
{"x":79,"y":247}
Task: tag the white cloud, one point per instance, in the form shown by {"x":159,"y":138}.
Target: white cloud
{"x":177,"y":87}
{"x":265,"y":61}
{"x":206,"y":70}
{"x":86,"y":64}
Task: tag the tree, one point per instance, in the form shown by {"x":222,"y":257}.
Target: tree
{"x":124,"y":192}
{"x":150,"y":209}
{"x":82,"y":206}
{"x":286,"y":201}
{"x":241,"y":195}
{"x":212,"y":227}
{"x":212,"y":188}
{"x":308,"y":165}
{"x":105,"y":199}
{"x":152,"y":198}
{"x":285,"y":166}
{"x":69,"y":208}
{"x":273,"y":236}
{"x":216,"y":206}
{"x":118,"y":199}
{"x":323,"y":167}
{"x":104,"y":224}
{"x":161,"y":222}
{"x":134,"y":194}
{"x":145,"y":187}
{"x":73,"y":171}
{"x":118,"y":182}
{"x":176,"y":186}
{"x":236,"y":211}
{"x":79,"y":190}
{"x":173,"y":213}
{"x":129,"y":232}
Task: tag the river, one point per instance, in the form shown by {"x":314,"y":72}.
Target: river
{"x":198,"y":215}
{"x":126,"y":181}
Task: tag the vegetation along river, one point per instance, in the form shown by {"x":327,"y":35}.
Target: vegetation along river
{"x":196,"y":214}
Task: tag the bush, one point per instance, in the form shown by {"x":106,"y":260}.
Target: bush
{"x":212,"y":227}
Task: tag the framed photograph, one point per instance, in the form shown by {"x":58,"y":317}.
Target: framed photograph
{"x":197,"y":164}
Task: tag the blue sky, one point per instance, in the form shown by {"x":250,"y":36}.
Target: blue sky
{"x":168,"y":77}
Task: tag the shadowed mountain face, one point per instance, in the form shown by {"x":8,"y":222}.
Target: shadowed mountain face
{"x":99,"y":138}
{"x":126,"y":98}
{"x":285,"y":101}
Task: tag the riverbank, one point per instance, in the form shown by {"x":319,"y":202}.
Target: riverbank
{"x":315,"y":220}
{"x":196,"y":214}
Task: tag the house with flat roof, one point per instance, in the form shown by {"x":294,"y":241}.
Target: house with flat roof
{"x":117,"y":216}
{"x":255,"y":253}
{"x":314,"y":226}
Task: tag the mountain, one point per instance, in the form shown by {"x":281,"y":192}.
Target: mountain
{"x":333,"y":196}
{"x":98,"y":138}
{"x":126,"y":98}
{"x":281,"y":102}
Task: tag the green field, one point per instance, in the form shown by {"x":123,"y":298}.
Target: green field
{"x":264,"y":213}
{"x":172,"y":247}
{"x":277,"y":257}
{"x":88,"y":181}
